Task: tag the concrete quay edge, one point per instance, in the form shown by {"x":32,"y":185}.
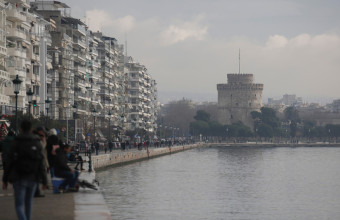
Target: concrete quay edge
{"x":130,"y":156}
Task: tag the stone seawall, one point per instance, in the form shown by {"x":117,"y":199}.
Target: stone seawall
{"x":104,"y":160}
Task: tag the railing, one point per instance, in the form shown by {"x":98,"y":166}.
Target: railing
{"x":14,"y":13}
{"x":4,"y":76}
{"x":15,"y":32}
{"x":79,"y":42}
{"x":80,"y":28}
{"x":80,"y":69}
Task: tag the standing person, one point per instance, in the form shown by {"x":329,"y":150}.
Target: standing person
{"x":105,"y":147}
{"x":51,"y":146}
{"x":110,"y":146}
{"x":97,"y":147}
{"x":25,"y":169}
{"x":5,"y":147}
{"x":41,"y":132}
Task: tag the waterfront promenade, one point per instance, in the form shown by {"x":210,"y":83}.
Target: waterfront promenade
{"x":86,"y":204}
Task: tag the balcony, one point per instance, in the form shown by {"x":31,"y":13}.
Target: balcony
{"x":35,"y":57}
{"x":82,"y":96}
{"x":3,"y":50}
{"x":4,"y":76}
{"x":79,"y":57}
{"x":4,"y":99}
{"x":94,"y":52}
{"x":79,"y":29}
{"x":14,"y":15}
{"x":79,"y":43}
{"x":16,"y":33}
{"x":17,"y":71}
{"x":80,"y":69}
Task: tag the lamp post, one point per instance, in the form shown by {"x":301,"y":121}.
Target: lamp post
{"x":256,"y":135}
{"x":75,"y":108}
{"x":47,"y":102}
{"x":227,"y":134}
{"x":29,"y":94}
{"x":94,"y":111}
{"x":109,"y":136}
{"x":17,"y":82}
{"x":67,"y":116}
{"x":329,"y":131}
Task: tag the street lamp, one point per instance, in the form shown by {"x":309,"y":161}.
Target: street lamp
{"x":94,"y":112}
{"x":47,"y":106}
{"x":109,"y":114}
{"x":29,"y":94}
{"x":227,"y":134}
{"x":256,"y":135}
{"x":17,"y":82}
{"x":329,"y":131}
{"x":75,"y":108}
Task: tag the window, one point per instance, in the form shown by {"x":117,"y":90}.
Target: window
{"x":36,"y":90}
{"x":36,"y":70}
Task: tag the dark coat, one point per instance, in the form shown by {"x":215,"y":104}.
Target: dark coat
{"x":11,"y":174}
{"x":60,"y":163}
{"x":51,"y":140}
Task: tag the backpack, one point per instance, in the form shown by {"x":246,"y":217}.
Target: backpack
{"x":28,"y":157}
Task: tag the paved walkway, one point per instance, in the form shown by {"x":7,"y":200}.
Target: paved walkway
{"x":87,"y":204}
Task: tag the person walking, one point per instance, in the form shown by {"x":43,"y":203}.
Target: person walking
{"x":25,"y":169}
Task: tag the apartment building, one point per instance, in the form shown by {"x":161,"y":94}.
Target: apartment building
{"x":17,"y":46}
{"x":5,"y":79}
{"x":62,"y":61}
{"x":141,"y":96}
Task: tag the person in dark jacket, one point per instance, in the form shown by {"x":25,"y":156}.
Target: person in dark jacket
{"x":61,"y":169}
{"x":25,"y":169}
{"x":5,"y":147}
{"x":52,"y":143}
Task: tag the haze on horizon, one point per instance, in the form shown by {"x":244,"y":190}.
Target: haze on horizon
{"x":189,"y":46}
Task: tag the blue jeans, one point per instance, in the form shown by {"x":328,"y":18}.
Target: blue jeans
{"x":23,"y":195}
{"x":71,"y":179}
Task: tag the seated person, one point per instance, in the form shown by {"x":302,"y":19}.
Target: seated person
{"x":61,"y":169}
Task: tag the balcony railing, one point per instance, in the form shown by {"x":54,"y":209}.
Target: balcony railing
{"x":4,"y":76}
{"x":14,"y":14}
{"x":79,"y":28}
{"x":79,"y":42}
{"x":16,"y":33}
{"x":80,"y":69}
{"x":3,"y":51}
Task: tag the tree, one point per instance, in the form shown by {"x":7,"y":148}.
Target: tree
{"x":178,"y":113}
{"x":200,"y":127}
{"x":266,"y":122}
{"x":292,"y":115}
{"x":201,"y":115}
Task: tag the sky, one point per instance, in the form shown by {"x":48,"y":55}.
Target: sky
{"x":189,"y":46}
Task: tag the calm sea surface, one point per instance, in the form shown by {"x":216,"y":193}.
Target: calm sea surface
{"x":228,"y":183}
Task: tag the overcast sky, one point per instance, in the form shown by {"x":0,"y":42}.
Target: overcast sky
{"x":189,"y":46}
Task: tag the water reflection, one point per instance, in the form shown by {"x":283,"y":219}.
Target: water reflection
{"x":228,"y":183}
